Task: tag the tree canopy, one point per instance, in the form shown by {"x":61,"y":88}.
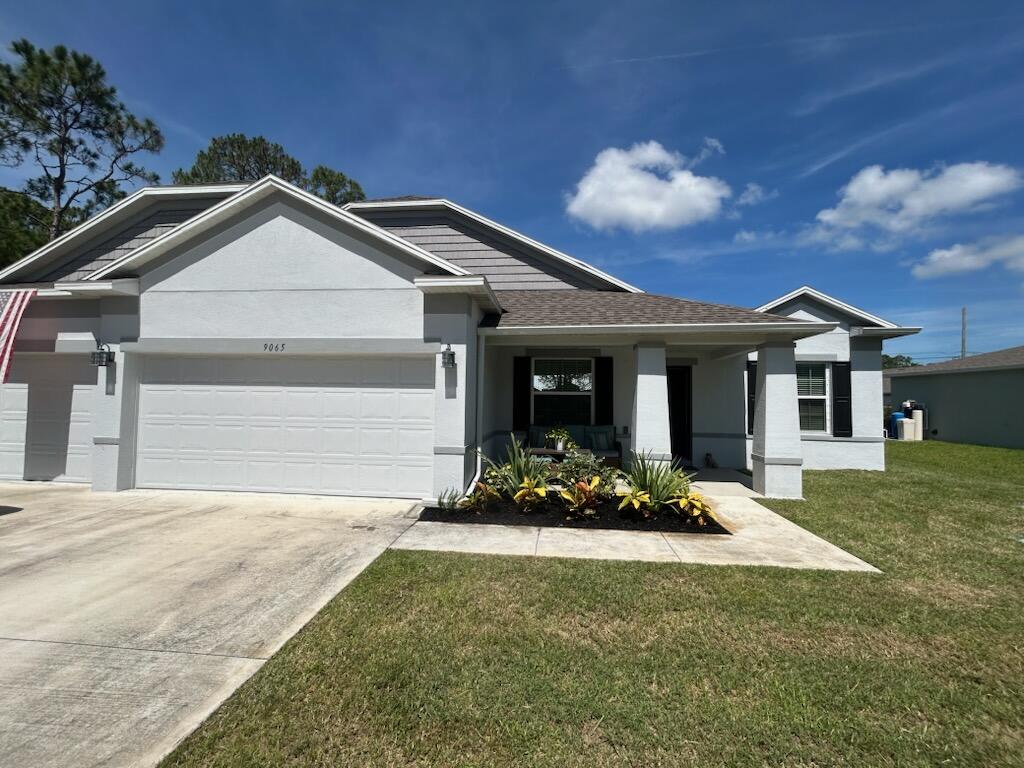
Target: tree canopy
{"x":237,"y":157}
{"x":897,"y":361}
{"x":58,"y":112}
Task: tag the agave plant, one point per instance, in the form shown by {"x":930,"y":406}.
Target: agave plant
{"x":582,"y":497}
{"x":662,"y":481}
{"x":519,"y":465}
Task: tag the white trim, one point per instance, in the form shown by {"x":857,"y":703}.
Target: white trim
{"x":251,"y":195}
{"x":883,"y":333}
{"x":824,"y":298}
{"x":474,"y":285}
{"x":800,"y":328}
{"x":114,"y":211}
{"x":127,"y":286}
{"x":507,"y":231}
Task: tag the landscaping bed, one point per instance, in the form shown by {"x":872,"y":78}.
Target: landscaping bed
{"x":607,"y":516}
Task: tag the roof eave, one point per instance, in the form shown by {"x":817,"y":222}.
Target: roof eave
{"x":824,"y":298}
{"x":443,"y":204}
{"x":95,"y":224}
{"x":471,"y":285}
{"x":248,"y":197}
{"x":884,"y":333}
{"x":794,"y":330}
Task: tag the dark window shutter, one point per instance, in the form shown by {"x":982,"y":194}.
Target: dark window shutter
{"x":521,"y":390}
{"x":751,"y":394}
{"x":842,"y":413}
{"x":604,"y":400}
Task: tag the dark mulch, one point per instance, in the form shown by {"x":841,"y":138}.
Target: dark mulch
{"x":554,"y":515}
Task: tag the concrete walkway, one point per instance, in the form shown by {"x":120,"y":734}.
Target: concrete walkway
{"x":760,"y":537}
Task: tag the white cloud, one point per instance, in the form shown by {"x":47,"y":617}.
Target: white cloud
{"x":959,"y":258}
{"x":647,"y":187}
{"x":755,"y":194}
{"x":878,"y":208}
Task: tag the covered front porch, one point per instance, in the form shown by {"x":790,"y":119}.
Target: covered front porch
{"x":674,"y":393}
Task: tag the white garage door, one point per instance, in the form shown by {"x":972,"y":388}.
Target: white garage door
{"x":360,"y":426}
{"x":46,"y":418}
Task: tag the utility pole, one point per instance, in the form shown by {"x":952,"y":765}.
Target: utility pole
{"x":963,"y":332}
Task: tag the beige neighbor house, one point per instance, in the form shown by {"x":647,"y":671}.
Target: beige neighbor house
{"x":261,"y":339}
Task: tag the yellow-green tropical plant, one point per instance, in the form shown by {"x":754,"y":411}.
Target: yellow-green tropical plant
{"x":662,"y":481}
{"x":696,"y":508}
{"x":582,"y":497}
{"x":531,"y":491}
{"x":640,"y":501}
{"x":480,"y":498}
{"x":519,"y":465}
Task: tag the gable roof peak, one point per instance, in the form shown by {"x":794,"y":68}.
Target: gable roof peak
{"x":830,"y":301}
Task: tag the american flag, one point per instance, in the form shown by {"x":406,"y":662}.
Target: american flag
{"x":12,"y":307}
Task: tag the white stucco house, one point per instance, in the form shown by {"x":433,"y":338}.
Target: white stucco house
{"x":265,"y":340}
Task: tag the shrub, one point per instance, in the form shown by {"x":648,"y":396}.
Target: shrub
{"x":695,"y":508}
{"x":663,"y":482}
{"x":560,"y":434}
{"x":640,"y":501}
{"x":506,"y":478}
{"x":448,"y":500}
{"x":581,"y":467}
{"x":531,"y":491}
{"x":480,"y":498}
{"x":582,"y":497}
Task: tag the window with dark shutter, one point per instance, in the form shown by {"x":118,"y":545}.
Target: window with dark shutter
{"x":521,"y":393}
{"x":604,"y":396}
{"x":842,"y":411}
{"x":751,"y":394}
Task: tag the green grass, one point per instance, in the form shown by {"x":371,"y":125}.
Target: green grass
{"x":446,"y":660}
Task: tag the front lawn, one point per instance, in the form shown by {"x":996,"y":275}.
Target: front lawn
{"x":445,"y":660}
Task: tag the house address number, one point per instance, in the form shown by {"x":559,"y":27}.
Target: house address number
{"x":273,"y":346}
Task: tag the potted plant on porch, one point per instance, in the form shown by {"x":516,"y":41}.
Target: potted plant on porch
{"x":558,"y":438}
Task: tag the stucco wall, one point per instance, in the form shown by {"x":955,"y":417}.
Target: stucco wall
{"x":982,"y":407}
{"x":280,"y":273}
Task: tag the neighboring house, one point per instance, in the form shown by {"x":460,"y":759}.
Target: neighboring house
{"x":266,"y":340}
{"x":975,"y":399}
{"x":839,"y":381}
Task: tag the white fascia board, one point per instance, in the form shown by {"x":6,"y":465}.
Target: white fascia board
{"x":474,"y":285}
{"x":97,"y":222}
{"x":76,"y":288}
{"x":507,"y":231}
{"x":794,"y":330}
{"x":884,"y":333}
{"x":824,"y":298}
{"x":250,"y":196}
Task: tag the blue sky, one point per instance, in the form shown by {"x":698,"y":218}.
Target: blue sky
{"x":883,"y":141}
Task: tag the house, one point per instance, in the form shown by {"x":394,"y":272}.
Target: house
{"x":839,"y":381}
{"x":263,"y":339}
{"x":976,"y":399}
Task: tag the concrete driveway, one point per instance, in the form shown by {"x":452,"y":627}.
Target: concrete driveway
{"x":125,"y":619}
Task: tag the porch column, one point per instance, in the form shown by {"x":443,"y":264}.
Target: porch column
{"x":650,"y":403}
{"x":777,"y":457}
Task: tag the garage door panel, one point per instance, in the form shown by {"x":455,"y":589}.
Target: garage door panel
{"x":46,"y":418}
{"x":315,"y":425}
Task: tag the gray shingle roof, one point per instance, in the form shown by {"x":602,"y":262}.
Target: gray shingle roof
{"x":582,"y":308}
{"x":1003,"y":358}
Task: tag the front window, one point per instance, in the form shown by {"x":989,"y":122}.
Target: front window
{"x":562,"y":391}
{"x":812,"y":394}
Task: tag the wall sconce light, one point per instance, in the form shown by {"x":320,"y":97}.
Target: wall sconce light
{"x":447,"y":357}
{"x":101,"y":356}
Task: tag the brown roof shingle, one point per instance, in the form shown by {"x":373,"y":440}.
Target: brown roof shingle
{"x":1002,"y":358}
{"x":583,"y":308}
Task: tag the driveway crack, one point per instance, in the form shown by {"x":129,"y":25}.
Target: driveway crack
{"x":132,"y":648}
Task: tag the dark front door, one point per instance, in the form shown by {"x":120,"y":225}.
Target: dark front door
{"x":680,"y":410}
